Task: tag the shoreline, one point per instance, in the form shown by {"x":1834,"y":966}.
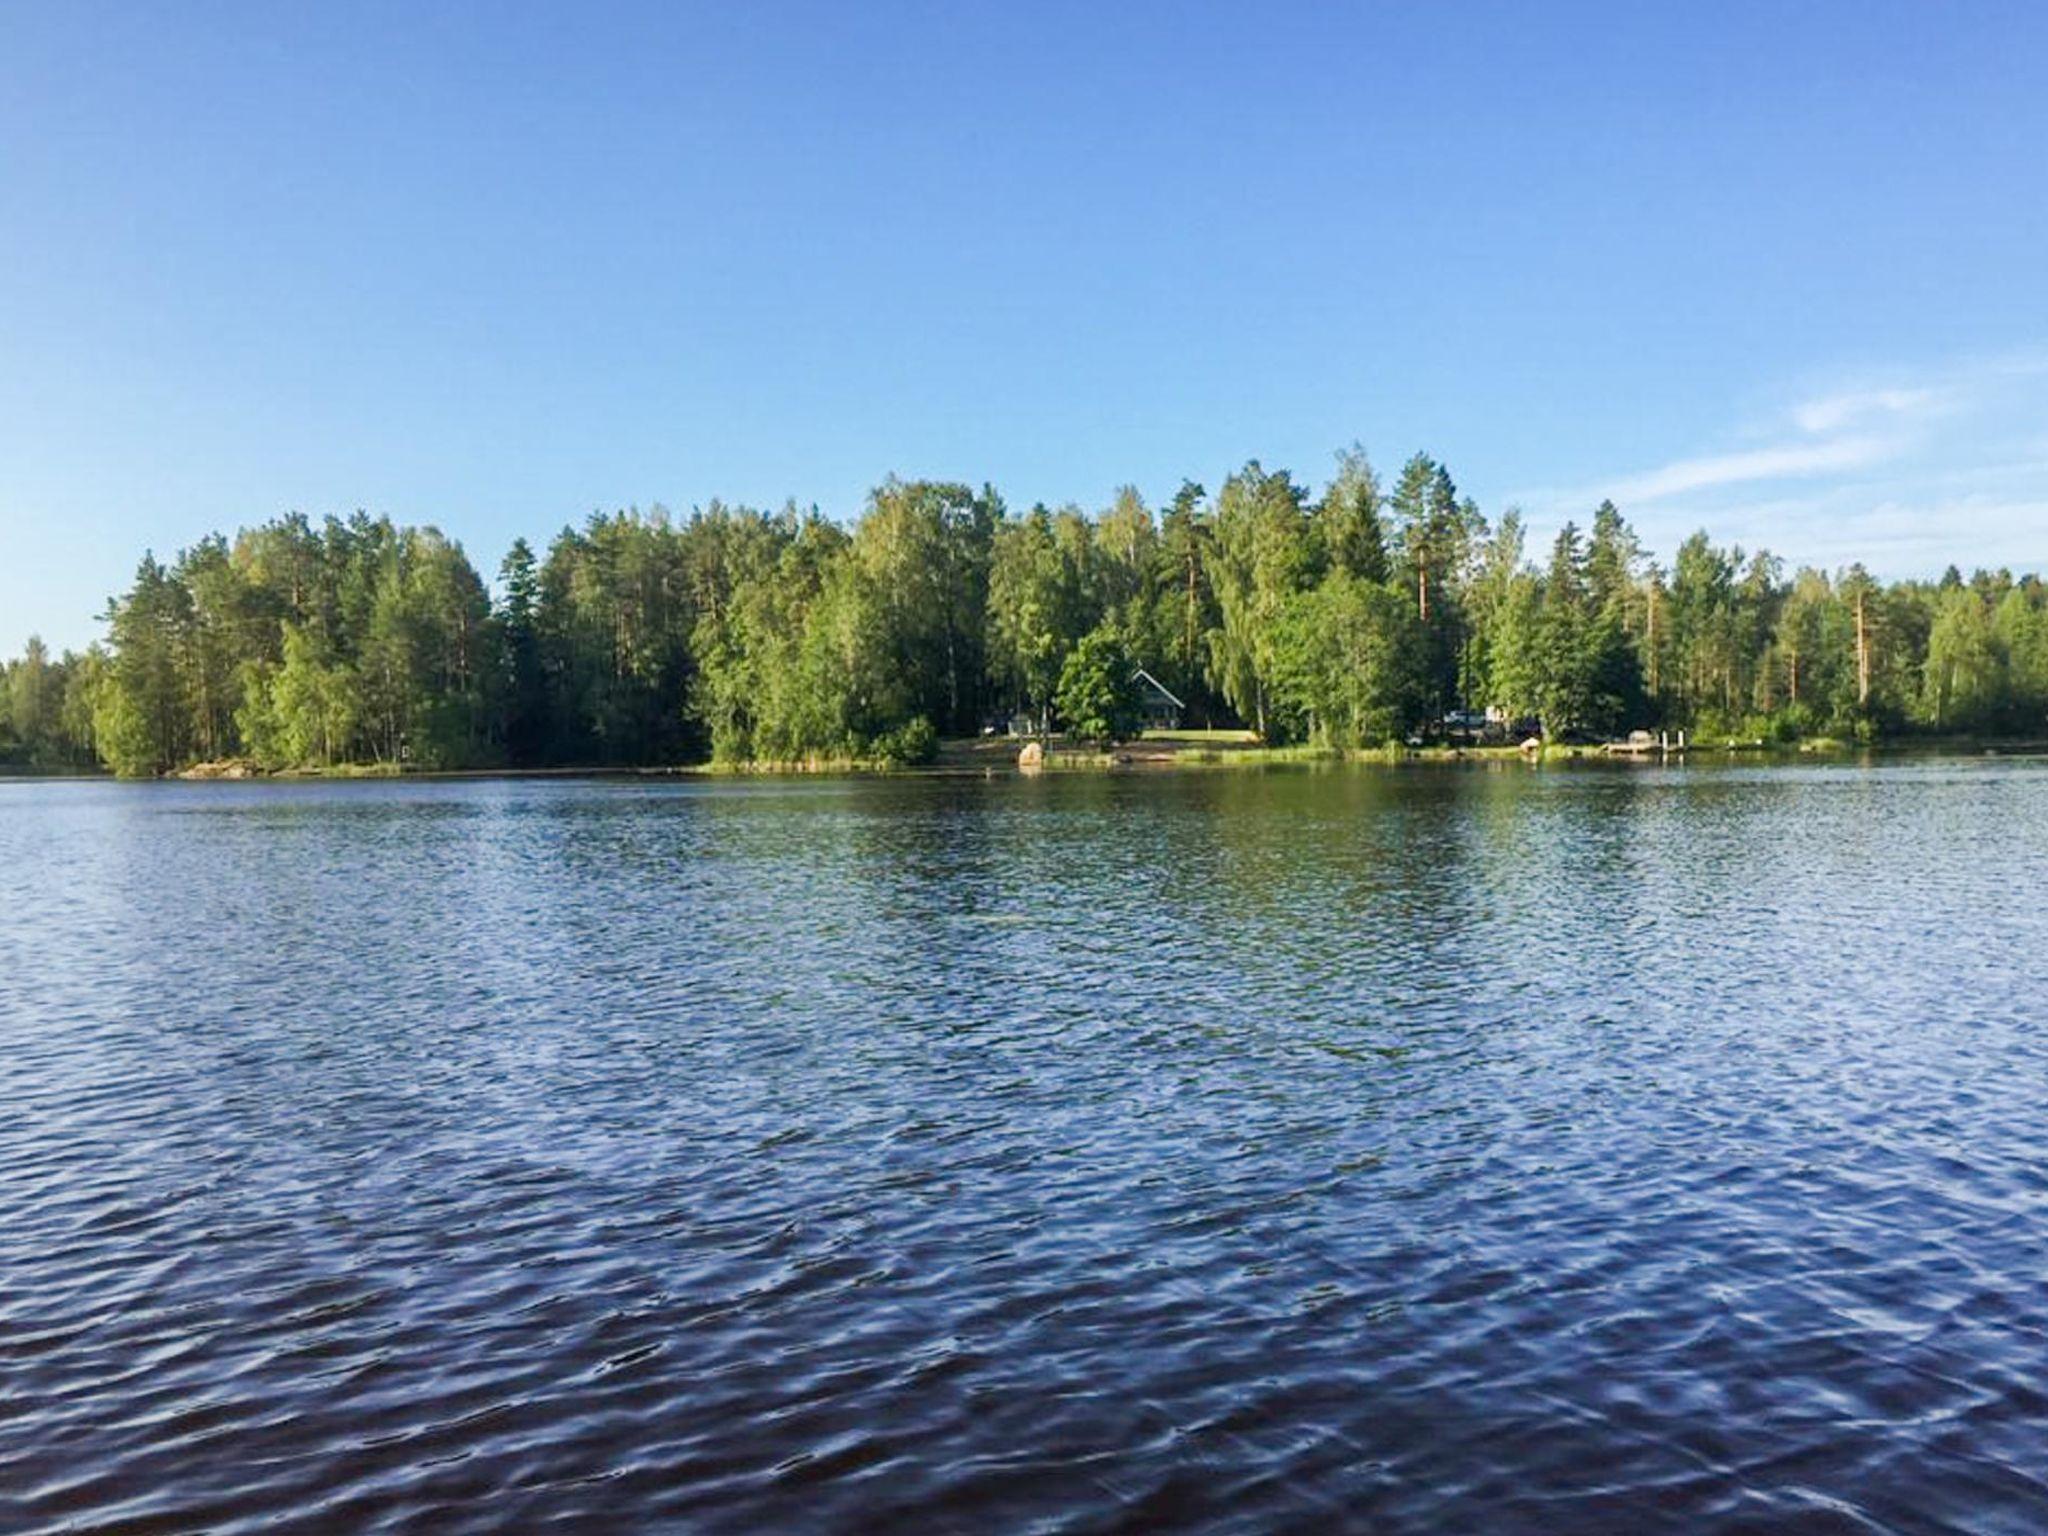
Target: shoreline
{"x":985,"y":757}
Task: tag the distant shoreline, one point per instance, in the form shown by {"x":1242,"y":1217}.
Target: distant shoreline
{"x":991,"y":757}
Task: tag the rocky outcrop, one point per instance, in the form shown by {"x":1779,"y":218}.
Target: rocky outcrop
{"x":225,"y":768}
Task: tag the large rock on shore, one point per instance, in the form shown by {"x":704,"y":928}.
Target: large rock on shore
{"x":225,"y":768}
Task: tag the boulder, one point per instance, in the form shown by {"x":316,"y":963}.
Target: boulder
{"x":220,"y":768}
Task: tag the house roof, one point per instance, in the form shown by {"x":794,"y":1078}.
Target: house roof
{"x":1141,"y":675}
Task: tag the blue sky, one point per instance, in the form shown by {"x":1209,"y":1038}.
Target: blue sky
{"x":1774,"y":269}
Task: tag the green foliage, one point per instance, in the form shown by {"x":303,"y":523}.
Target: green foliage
{"x":124,"y":735}
{"x":910,"y":744}
{"x":1340,"y":620}
{"x":612,"y":625}
{"x":1348,"y":520}
{"x":315,"y":703}
{"x":1260,"y":556}
{"x":142,"y":723}
{"x":46,"y":708}
{"x":1098,"y":697}
{"x":1965,"y":670}
{"x":1181,"y":601}
{"x":524,"y":701}
{"x":1347,"y":660}
{"x":1581,"y":672}
{"x":1435,"y":535}
{"x":1037,"y":607}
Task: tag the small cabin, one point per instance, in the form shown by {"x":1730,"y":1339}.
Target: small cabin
{"x":1158,"y":709}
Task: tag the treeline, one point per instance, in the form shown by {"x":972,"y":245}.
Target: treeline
{"x":1348,"y":618}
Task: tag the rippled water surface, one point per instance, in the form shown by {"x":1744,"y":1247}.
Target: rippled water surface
{"x":1411,"y":1150}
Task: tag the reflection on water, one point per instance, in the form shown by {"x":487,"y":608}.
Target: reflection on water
{"x":1422,"y":1150}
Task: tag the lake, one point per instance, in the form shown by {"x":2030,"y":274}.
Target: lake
{"x":1470,"y":1148}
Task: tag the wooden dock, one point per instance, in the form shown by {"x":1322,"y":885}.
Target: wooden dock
{"x":1643,"y":744}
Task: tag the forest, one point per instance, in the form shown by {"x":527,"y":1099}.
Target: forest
{"x":1354,"y":617}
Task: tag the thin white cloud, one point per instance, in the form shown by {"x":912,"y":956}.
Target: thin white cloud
{"x":1851,"y":426}
{"x":1917,"y":535}
{"x":1783,"y":462}
{"x":1831,"y":413}
{"x":1906,"y":471}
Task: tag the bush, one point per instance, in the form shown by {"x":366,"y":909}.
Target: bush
{"x":1096,"y":697}
{"x":908,"y":745}
{"x":1793,"y":722}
